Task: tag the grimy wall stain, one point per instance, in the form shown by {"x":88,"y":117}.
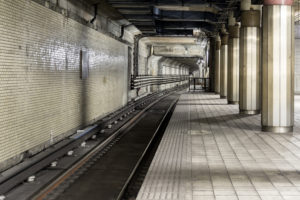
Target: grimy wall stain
{"x":41,"y":94}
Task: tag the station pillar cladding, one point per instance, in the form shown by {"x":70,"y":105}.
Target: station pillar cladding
{"x":233,"y":61}
{"x":217,"y":64}
{"x":278,"y":66}
{"x":224,"y":63}
{"x":250,"y":60}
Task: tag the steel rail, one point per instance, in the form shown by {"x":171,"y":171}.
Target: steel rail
{"x":15,"y":176}
{"x":43,"y":194}
{"x":145,"y":151}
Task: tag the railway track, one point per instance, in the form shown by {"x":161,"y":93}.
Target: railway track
{"x":50,"y":173}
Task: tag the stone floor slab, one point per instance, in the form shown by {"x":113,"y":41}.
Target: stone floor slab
{"x":210,"y":151}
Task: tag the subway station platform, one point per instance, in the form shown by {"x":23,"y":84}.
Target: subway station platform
{"x":210,"y":151}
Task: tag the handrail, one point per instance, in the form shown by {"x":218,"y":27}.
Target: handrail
{"x":147,"y":80}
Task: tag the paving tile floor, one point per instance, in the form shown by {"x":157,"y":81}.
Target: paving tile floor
{"x":210,"y":151}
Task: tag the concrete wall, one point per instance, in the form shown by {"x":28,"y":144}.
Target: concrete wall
{"x":143,"y":56}
{"x":151,"y":64}
{"x":180,"y":50}
{"x":167,"y":66}
{"x":42,"y":97}
{"x":82,"y":11}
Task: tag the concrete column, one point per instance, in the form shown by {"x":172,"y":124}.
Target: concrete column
{"x":224,"y":65}
{"x":250,"y":62}
{"x":211,"y":62}
{"x":233,"y":64}
{"x":278,"y":66}
{"x":245,"y":4}
{"x":217,"y":64}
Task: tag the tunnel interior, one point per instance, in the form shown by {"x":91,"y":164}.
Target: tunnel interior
{"x":70,"y":68}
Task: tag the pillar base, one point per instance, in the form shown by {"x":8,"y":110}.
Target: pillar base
{"x":223,"y":97}
{"x":217,"y":92}
{"x":233,"y":102}
{"x":250,"y":112}
{"x":278,"y":129}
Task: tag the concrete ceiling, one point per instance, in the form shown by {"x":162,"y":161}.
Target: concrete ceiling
{"x":187,"y":50}
{"x":169,"y":40}
{"x":179,"y":50}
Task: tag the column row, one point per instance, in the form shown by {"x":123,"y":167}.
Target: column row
{"x":259,"y":83}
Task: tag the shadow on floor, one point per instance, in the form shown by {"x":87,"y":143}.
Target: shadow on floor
{"x":206,"y":99}
{"x":223,"y":119}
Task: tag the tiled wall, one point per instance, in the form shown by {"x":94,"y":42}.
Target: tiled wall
{"x":41,"y":93}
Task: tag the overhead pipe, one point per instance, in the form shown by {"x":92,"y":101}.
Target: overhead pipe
{"x":95,"y":13}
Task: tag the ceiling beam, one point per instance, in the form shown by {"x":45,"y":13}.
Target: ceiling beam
{"x":135,"y":11}
{"x":175,"y":32}
{"x":132,"y":16}
{"x":142,"y":6}
{"x":183,"y":25}
{"x":192,"y":15}
{"x":199,"y":8}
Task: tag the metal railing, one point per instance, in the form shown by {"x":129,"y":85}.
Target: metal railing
{"x":199,"y":84}
{"x":148,"y":80}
